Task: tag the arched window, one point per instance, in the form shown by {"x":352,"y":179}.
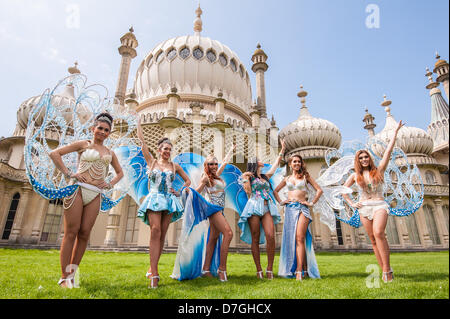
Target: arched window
{"x":132,"y":226}
{"x":430,"y":178}
{"x":340,"y":239}
{"x":11,"y":214}
{"x":413,"y":232}
{"x":52,"y":224}
{"x":431,"y":224}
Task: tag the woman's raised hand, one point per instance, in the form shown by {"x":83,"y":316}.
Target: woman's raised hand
{"x":400,"y":125}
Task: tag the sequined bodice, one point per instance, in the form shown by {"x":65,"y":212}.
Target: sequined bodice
{"x":260,"y":188}
{"x":216,"y":194}
{"x":97,"y":166}
{"x":371,"y":192}
{"x":301,"y":185}
{"x":160,"y":181}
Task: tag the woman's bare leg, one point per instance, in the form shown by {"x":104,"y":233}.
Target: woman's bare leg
{"x":212,"y":240}
{"x":72,"y":222}
{"x":221,"y":225}
{"x":269,"y":230}
{"x":379,"y":226}
{"x":300,"y":235}
{"x":88,"y":218}
{"x":254,"y":224}
{"x":368,"y":226}
{"x":154,"y":219}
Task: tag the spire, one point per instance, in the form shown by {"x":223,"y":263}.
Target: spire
{"x":302,"y":95}
{"x":391,"y":123}
{"x":441,"y":68}
{"x":198,"y":23}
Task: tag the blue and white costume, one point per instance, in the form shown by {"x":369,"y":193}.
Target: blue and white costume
{"x":256,"y":205}
{"x":159,"y":197}
{"x":288,"y":256}
{"x":402,"y":182}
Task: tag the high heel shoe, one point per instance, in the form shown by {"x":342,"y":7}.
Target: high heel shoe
{"x":301,"y":277}
{"x":271,"y":274}
{"x":68,"y":282}
{"x":206,"y":273}
{"x":224,"y":272}
{"x":152,"y":284}
{"x":385,"y":276}
{"x":259,"y":274}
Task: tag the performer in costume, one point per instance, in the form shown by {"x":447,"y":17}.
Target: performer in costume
{"x":372,"y":207}
{"x":297,"y":256}
{"x":260,"y":214}
{"x":78,"y":169}
{"x":215,"y":193}
{"x":82,"y":207}
{"x":161,"y":206}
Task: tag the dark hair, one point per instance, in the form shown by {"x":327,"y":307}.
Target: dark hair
{"x":104,"y":117}
{"x":164,"y":140}
{"x":252,"y":167}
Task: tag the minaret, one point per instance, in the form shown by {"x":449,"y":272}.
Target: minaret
{"x":260,"y":66}
{"x":441,"y":69}
{"x":370,"y":125}
{"x":128,"y":52}
{"x":439,"y":126}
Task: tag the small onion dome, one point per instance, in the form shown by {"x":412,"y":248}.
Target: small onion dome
{"x":309,"y":131}
{"x":59,"y":100}
{"x":439,"y":62}
{"x":409,"y":139}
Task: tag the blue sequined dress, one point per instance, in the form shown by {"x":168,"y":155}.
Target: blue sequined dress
{"x":256,"y":205}
{"x":159,"y":198}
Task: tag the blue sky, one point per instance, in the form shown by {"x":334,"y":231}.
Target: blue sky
{"x":323,"y":44}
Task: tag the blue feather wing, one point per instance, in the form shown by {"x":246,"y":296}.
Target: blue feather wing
{"x":235,"y":194}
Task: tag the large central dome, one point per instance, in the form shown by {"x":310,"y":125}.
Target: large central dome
{"x":194,"y":65}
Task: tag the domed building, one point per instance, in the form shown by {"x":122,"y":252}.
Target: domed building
{"x":196,"y":91}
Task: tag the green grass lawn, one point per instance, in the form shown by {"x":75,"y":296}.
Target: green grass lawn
{"x":34,"y":274}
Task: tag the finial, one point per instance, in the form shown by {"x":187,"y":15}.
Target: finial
{"x":386,"y":104}
{"x":273,"y":122}
{"x":198,"y":24}
{"x":258,"y":46}
{"x":74,"y":69}
{"x":437,"y":56}
{"x":131,"y":29}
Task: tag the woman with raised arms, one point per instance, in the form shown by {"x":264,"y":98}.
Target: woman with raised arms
{"x":161,"y":206}
{"x":372,"y":207}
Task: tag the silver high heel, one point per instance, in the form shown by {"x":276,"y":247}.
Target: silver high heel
{"x":271,"y":274}
{"x":301,"y":277}
{"x":385,"y":276}
{"x":224,"y":272}
{"x":68,"y":282}
{"x":152,"y":285}
{"x":259,"y":274}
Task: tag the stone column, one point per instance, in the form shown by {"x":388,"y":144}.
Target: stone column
{"x":220,"y":108}
{"x":173,"y":103}
{"x":402,"y":232}
{"x":423,"y":228}
{"x":440,"y":222}
{"x":16,"y":231}
{"x":4,"y":209}
{"x":113,"y":226}
{"x":39,"y":221}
